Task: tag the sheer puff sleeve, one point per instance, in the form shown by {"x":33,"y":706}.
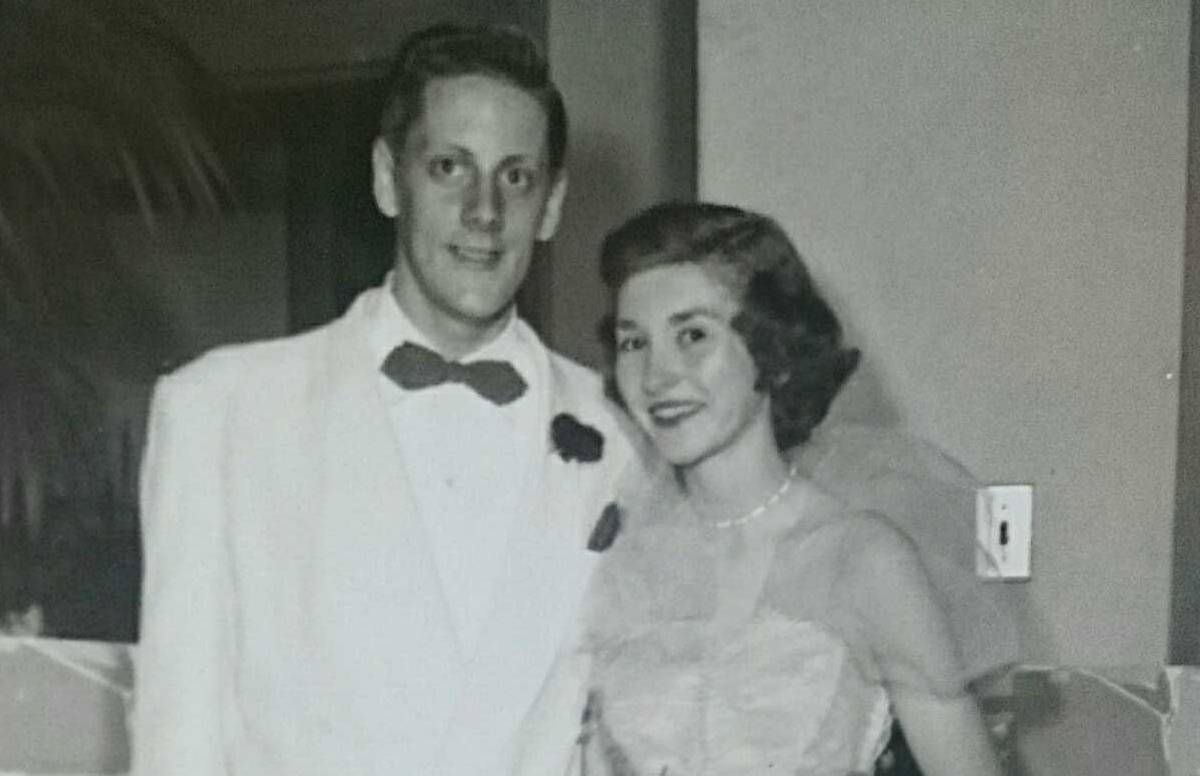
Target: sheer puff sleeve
{"x":930,"y":622}
{"x":902,"y":618}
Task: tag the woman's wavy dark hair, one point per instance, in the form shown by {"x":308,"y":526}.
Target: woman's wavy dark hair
{"x":792,"y":334}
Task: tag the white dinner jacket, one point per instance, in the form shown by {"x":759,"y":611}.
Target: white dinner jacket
{"x":292,"y":619}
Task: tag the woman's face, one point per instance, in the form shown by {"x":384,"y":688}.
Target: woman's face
{"x":684,"y":372}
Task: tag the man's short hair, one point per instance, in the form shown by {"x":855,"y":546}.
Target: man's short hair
{"x":502,"y":52}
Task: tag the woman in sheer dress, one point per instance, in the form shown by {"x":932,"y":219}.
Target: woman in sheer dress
{"x":749,"y":616}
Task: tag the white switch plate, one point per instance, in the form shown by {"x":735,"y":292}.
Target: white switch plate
{"x":1003,"y":531}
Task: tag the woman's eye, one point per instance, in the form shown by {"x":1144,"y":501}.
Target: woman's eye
{"x":691,"y":335}
{"x":629,"y":344}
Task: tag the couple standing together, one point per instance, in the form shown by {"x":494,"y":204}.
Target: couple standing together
{"x":415,"y":541}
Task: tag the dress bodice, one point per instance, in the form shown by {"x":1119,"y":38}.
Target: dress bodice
{"x":791,"y":687}
{"x":781,"y":696}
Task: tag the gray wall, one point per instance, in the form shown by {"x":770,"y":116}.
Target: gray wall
{"x":993,"y":197}
{"x":627,"y":72}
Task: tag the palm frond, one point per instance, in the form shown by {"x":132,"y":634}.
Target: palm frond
{"x":101,"y":104}
{"x":102,"y":112}
{"x":49,"y":443}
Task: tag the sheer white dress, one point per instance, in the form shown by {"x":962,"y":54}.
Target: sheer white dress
{"x":798,"y":680}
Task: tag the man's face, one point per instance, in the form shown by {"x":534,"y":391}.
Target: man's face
{"x":471,"y":191}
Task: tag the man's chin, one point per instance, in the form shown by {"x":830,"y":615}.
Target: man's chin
{"x":482,"y":314}
{"x":479,"y":322}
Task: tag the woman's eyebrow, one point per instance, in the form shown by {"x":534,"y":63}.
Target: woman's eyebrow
{"x":700,"y":311}
{"x":676,"y":318}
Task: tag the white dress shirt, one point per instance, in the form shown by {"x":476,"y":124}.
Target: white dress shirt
{"x":464,"y":457}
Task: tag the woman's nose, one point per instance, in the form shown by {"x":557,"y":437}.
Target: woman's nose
{"x":661,"y":372}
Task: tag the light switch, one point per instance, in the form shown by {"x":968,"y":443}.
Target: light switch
{"x":1003,"y":531}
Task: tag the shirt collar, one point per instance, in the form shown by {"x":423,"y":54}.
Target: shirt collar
{"x":390,"y":326}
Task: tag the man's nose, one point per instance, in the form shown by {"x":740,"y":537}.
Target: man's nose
{"x":483,"y":207}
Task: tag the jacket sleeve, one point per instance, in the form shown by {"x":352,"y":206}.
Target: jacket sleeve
{"x":182,"y":664}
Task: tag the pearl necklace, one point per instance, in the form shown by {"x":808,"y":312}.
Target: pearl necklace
{"x":761,"y":508}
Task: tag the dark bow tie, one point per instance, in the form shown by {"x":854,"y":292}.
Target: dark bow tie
{"x":413,"y":367}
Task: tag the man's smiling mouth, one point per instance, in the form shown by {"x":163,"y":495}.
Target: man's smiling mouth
{"x":483,"y":257}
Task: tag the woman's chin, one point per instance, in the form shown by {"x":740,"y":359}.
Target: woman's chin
{"x":679,"y":456}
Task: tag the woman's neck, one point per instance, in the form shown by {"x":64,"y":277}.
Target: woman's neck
{"x":732,"y":484}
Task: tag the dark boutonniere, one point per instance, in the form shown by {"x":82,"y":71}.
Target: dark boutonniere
{"x":574,"y":440}
{"x":606,"y":529}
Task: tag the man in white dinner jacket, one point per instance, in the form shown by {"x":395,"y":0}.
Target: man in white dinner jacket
{"x":365,"y":544}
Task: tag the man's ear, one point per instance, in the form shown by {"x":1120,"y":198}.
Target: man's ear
{"x":383,"y":174}
{"x":553,"y":210}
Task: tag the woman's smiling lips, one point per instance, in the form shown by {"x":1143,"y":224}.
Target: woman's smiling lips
{"x":668,"y":414}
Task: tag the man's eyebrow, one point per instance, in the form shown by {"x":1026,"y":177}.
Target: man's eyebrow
{"x":533,"y":160}
{"x":442,"y":148}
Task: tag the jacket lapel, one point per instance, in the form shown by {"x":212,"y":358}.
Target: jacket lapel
{"x":545,"y":570}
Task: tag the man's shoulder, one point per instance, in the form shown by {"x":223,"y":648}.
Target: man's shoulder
{"x":574,"y":374}
{"x":267,"y":365}
{"x":228,"y":362}
{"x":581,"y":390}
{"x":273,"y":358}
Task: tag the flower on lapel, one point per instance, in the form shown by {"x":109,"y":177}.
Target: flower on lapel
{"x":606,"y":529}
{"x":574,"y":440}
